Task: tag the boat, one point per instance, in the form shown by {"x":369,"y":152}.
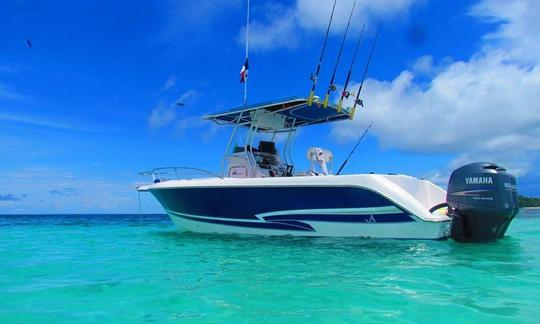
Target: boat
{"x":260,"y":191}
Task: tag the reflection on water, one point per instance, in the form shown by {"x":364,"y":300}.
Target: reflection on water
{"x":503,"y":257}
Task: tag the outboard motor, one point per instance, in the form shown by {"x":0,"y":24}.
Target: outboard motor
{"x":482,"y":201}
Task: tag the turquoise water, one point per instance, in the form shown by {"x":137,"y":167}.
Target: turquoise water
{"x":109,"y":268}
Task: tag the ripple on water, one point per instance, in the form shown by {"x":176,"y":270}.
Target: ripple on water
{"x":99,"y":268}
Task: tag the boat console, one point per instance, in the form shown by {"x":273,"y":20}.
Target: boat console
{"x":267,"y":162}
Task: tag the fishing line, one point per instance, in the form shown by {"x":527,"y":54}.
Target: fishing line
{"x":354,"y":149}
{"x":357,"y":101}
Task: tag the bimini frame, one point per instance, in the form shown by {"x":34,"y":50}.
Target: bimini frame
{"x":282,"y":116}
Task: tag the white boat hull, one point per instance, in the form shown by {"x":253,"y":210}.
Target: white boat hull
{"x":415,"y":230}
{"x":374,"y":206}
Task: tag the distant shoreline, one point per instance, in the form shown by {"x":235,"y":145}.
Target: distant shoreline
{"x":531,"y":207}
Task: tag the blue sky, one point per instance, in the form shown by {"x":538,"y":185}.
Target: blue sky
{"x":92,"y":102}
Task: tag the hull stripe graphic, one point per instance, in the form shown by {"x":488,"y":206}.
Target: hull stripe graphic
{"x":292,"y":220}
{"x":336,"y":211}
{"x":343,"y":218}
{"x":286,"y":225}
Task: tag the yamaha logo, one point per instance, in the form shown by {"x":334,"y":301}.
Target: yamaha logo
{"x":479,"y":180}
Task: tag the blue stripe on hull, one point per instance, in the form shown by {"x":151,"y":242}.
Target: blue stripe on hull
{"x":285,"y":225}
{"x":280,"y":208}
{"x":244,"y":203}
{"x":294,"y":222}
{"x":383,"y":218}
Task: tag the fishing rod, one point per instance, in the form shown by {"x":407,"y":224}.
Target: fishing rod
{"x":345,"y":94}
{"x":332,"y":86}
{"x":350,"y":154}
{"x":315,"y":76}
{"x":357,"y":100}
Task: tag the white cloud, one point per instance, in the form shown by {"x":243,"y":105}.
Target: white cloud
{"x":171,"y":81}
{"x":279,"y":29}
{"x":423,"y":65}
{"x":163,"y":115}
{"x":315,"y":14}
{"x":519,"y":26}
{"x":484,"y":108}
{"x":282,"y":26}
{"x":189,"y":122}
{"x":195,"y":124}
{"x":179,"y":118}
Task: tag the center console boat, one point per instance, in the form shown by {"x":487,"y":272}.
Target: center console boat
{"x":259,"y":190}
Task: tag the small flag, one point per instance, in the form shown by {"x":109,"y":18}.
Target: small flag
{"x":244,"y":72}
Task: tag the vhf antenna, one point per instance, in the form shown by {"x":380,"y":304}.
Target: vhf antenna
{"x":332,"y":86}
{"x":315,"y":76}
{"x":357,"y":100}
{"x":345,"y":94}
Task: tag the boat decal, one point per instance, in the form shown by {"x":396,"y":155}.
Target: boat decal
{"x":471,"y":192}
{"x":205,"y":217}
{"x":345,"y":218}
{"x":335,"y":211}
{"x":296,"y":221}
{"x":246,"y":203}
{"x":280,"y":225}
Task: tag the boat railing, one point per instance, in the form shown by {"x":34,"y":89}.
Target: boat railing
{"x":177,"y":173}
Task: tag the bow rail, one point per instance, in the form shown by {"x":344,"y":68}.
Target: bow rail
{"x":177,"y":173}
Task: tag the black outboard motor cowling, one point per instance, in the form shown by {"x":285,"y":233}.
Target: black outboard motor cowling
{"x":482,"y":200}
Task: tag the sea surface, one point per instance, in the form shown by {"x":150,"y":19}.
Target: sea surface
{"x":127,"y":268}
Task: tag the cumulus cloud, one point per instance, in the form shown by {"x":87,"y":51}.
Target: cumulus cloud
{"x":282,"y":26}
{"x":484,"y":108}
{"x":518,"y":28}
{"x":423,"y":65}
